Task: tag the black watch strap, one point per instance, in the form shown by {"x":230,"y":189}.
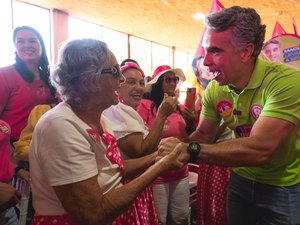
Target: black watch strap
{"x":194,"y":150}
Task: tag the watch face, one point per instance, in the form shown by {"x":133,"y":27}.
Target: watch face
{"x":194,"y":147}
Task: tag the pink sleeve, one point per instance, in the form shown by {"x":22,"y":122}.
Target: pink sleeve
{"x":144,"y":110}
{"x":4,"y":91}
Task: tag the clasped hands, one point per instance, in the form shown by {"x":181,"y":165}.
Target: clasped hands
{"x":173,"y":151}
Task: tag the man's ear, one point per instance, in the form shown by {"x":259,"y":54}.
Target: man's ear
{"x":246,"y":54}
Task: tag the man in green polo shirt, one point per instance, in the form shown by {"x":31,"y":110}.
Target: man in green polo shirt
{"x":260,"y":102}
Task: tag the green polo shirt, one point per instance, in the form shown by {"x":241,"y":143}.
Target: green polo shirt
{"x":273,"y":91}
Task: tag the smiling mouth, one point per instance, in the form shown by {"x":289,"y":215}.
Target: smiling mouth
{"x":137,"y":96}
{"x":215,"y":74}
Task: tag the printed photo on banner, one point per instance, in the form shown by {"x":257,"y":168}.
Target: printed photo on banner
{"x":284,"y":49}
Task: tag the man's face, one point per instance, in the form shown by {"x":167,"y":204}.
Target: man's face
{"x":273,"y":52}
{"x":221,"y":57}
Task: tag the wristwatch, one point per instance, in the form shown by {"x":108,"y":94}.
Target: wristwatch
{"x":194,"y":150}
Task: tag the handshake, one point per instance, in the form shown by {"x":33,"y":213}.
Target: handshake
{"x":173,"y":153}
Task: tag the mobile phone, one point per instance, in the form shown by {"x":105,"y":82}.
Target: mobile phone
{"x":190,"y":98}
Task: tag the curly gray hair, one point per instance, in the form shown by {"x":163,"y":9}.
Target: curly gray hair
{"x":245,"y":24}
{"x":79,"y":62}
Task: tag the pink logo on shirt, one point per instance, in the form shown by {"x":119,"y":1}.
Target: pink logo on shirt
{"x":255,"y":110}
{"x":224,"y":108}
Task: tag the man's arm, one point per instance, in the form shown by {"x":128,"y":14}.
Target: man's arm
{"x":205,"y":133}
{"x":265,"y":138}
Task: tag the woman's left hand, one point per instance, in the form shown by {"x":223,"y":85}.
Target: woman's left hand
{"x":189,"y":118}
{"x":24,"y":174}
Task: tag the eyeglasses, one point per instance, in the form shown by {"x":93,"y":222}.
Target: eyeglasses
{"x":115,"y":71}
{"x":170,"y":79}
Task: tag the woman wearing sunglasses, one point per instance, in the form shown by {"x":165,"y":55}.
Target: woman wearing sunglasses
{"x":76,"y":169}
{"x":133,"y":137}
{"x":171,"y":190}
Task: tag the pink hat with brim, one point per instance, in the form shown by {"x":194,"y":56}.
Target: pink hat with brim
{"x":162,"y":70}
{"x":131,"y":65}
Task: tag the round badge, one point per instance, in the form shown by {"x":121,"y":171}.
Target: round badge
{"x":255,"y":110}
{"x":224,"y":108}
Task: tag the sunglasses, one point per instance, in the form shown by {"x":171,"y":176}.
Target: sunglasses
{"x":170,"y":79}
{"x":115,"y":71}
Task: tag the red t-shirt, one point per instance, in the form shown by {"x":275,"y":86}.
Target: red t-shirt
{"x":18,"y":97}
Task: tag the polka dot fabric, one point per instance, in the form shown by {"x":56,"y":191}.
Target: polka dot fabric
{"x":110,"y":141}
{"x":212,"y":192}
{"x":141,"y":212}
{"x":51,"y":220}
{"x":112,"y":152}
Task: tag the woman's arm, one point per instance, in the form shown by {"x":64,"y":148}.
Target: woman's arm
{"x":134,"y":167}
{"x":136,"y":145}
{"x":86,"y":204}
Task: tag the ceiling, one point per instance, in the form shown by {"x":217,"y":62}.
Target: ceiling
{"x":169,"y":22}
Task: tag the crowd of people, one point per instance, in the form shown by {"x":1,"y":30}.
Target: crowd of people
{"x":98,"y":143}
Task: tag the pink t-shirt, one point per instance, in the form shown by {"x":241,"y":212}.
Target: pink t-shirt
{"x":174,"y":127}
{"x":6,"y":167}
{"x":18,"y":97}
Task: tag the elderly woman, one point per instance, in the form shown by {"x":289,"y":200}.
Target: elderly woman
{"x":133,"y":137}
{"x":75,"y":166}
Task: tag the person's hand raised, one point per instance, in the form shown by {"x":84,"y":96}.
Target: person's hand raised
{"x":189,"y":118}
{"x":168,"y":106}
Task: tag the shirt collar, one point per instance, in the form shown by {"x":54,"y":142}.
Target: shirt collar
{"x":256,"y":77}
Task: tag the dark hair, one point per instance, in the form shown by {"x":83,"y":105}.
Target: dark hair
{"x":128,"y":60}
{"x":156,"y":94}
{"x":272,"y":41}
{"x":43,"y":64}
{"x":245,"y":24}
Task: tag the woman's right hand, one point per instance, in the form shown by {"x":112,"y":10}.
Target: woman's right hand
{"x":171,"y":154}
{"x":168,"y":105}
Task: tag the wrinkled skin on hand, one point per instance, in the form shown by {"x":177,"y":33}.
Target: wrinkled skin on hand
{"x":175,"y":149}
